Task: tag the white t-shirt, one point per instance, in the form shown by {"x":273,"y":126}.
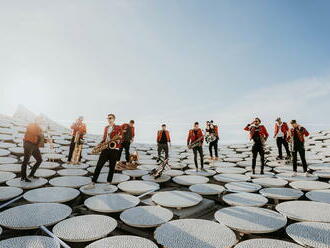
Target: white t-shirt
{"x":280,"y":134}
{"x":110,"y":128}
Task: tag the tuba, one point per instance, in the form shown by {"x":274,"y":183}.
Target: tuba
{"x":210,"y":138}
{"x":77,"y":149}
{"x":111,"y":144}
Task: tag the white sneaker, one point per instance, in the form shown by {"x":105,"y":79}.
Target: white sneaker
{"x":90,"y":186}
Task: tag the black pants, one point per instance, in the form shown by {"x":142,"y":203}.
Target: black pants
{"x":163,"y":147}
{"x":301,"y":151}
{"x":258,"y":148}
{"x":214,"y":144}
{"x":125,"y":145}
{"x":198,"y":149}
{"x":281,"y":141}
{"x":111,"y":155}
{"x":72,"y":145}
{"x":30,"y":149}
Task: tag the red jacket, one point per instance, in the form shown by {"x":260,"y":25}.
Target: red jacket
{"x":263,"y":131}
{"x":33,"y":133}
{"x":284,"y":129}
{"x":301,"y":131}
{"x":159,"y":135}
{"x":124,"y":128}
{"x":78,"y":127}
{"x":117,"y":130}
{"x":192,"y":137}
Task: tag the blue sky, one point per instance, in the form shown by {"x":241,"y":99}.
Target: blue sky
{"x":168,"y":61}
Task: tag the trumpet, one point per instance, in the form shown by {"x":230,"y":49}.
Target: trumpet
{"x":111,"y":144}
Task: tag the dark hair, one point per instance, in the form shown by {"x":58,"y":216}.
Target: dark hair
{"x":163,"y":125}
{"x":196,"y":123}
{"x":258,"y":119}
{"x":293,"y":122}
{"x":211,"y":121}
{"x":112,"y":115}
{"x":132,"y":121}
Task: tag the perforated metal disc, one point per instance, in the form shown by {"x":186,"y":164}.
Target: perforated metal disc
{"x":281,"y":193}
{"x":266,"y":243}
{"x":49,"y":165}
{"x":85,"y":228}
{"x":309,"y":185}
{"x":176,"y":199}
{"x":117,"y":178}
{"x":305,"y":210}
{"x":190,"y":180}
{"x":100,"y":189}
{"x":30,"y":242}
{"x":310,"y":234}
{"x":70,"y":181}
{"x":7,"y":193}
{"x":245,"y":199}
{"x":5,"y":176}
{"x":146,"y":217}
{"x":172,"y":173}
{"x":242,"y":187}
{"x":31,"y":216}
{"x":319,"y":195}
{"x":207,"y":189}
{"x":135,"y":173}
{"x":123,"y":241}
{"x":162,"y":179}
{"x":192,"y":233}
{"x":111,"y":203}
{"x":35,"y":183}
{"x":227,"y":178}
{"x":270,"y":182}
{"x":51,"y":194}
{"x":10,"y":167}
{"x":138,"y":187}
{"x":250,"y":219}
{"x":72,"y":172}
{"x":75,"y":166}
{"x":206,"y":173}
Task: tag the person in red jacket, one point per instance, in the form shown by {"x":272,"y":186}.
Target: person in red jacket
{"x":128,"y":138}
{"x":163,"y":139}
{"x":296,"y":137}
{"x":77,"y":127}
{"x":281,"y":133}
{"x":33,"y":139}
{"x":196,"y":135}
{"x":111,"y":155}
{"x":258,"y":133}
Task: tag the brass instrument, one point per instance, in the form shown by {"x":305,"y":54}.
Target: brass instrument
{"x":111,"y":144}
{"x":196,"y":143}
{"x":77,"y":149}
{"x":158,"y":172}
{"x":210,"y":137}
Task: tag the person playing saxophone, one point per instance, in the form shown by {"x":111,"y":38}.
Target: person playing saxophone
{"x":111,"y":154}
{"x":195,"y":141}
{"x":78,"y":128}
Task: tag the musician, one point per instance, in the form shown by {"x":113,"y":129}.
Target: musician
{"x":213,"y":129}
{"x":259,"y":135}
{"x":196,"y":135}
{"x":297,"y":136}
{"x":111,"y":155}
{"x":280,"y":133}
{"x":77,"y":127}
{"x":33,"y":139}
{"x":163,"y":139}
{"x":128,"y":138}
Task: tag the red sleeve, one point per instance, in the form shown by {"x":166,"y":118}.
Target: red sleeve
{"x":157,"y":139}
{"x":104,"y":134}
{"x":73,"y":126}
{"x":217,"y":131}
{"x":265,"y":130}
{"x":84,"y":129}
{"x":306,"y":133}
{"x":286,"y":127}
{"x":247,"y":127}
{"x":133,"y":132}
{"x":189,"y":137}
{"x":275,"y":130}
{"x":169,"y":138}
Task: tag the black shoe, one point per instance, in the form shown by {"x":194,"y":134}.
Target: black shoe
{"x":288,"y":157}
{"x":253,"y":172}
{"x":25,"y":180}
{"x":262,"y":172}
{"x":33,"y":177}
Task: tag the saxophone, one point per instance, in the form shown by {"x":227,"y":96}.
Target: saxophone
{"x":111,"y":144}
{"x":77,"y":149}
{"x":196,"y":143}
